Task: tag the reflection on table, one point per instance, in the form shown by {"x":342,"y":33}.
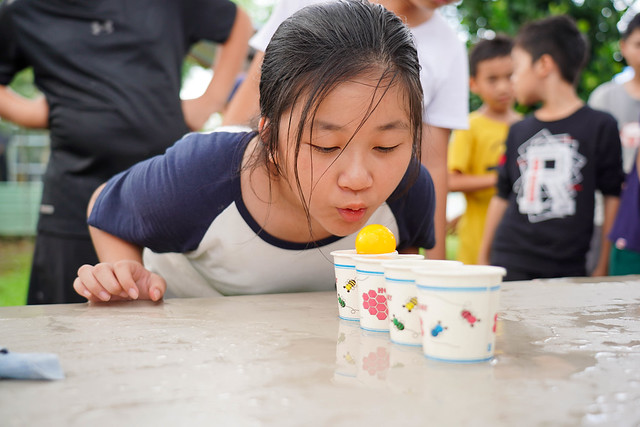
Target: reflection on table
{"x":567,"y":353}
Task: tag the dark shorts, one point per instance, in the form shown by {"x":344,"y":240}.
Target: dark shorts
{"x":516,"y":272}
{"x":55,"y":266}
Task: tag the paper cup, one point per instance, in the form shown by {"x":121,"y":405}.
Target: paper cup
{"x":402,"y":297}
{"x":372,"y":292}
{"x":458,"y":312}
{"x":346,"y":286}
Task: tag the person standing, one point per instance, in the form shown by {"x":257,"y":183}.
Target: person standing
{"x":110,"y":72}
{"x":540,"y":223}
{"x":622,"y":100}
{"x":474,"y":154}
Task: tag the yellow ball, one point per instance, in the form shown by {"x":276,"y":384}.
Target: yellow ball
{"x":375,"y":239}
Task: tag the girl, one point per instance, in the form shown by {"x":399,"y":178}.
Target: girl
{"x":337,"y":147}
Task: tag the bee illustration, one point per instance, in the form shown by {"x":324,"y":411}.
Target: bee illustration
{"x":398,"y":323}
{"x":349,"y":359}
{"x":341,"y":301}
{"x":350,"y":285}
{"x":411,"y":304}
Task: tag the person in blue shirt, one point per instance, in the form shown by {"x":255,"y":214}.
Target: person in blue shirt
{"x":337,"y":147}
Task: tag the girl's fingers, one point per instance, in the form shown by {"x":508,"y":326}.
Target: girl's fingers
{"x":81,"y":289}
{"x":87,"y":281}
{"x":122,"y":280}
{"x":157,"y":287}
{"x":124,"y":272}
{"x":105,"y":277}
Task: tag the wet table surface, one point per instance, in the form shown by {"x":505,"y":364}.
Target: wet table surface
{"x":567,"y":353}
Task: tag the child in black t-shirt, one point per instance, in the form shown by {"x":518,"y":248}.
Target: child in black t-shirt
{"x":541,"y":221}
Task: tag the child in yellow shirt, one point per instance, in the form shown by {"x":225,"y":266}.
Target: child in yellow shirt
{"x":474,"y":154}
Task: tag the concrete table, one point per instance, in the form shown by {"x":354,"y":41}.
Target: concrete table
{"x":568,"y":353}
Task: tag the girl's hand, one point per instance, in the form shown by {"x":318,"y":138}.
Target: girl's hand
{"x":122,"y":280}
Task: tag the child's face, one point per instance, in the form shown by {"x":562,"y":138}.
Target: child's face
{"x":492,"y":83}
{"x":630,"y":49}
{"x":524,"y":78}
{"x":343,"y":184}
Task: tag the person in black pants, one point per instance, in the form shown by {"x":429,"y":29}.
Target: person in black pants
{"x":110,"y":72}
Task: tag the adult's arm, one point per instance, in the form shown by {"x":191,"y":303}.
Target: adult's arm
{"x":245,"y":105}
{"x":434,"y":158}
{"x":29,"y":113}
{"x":228,"y":64}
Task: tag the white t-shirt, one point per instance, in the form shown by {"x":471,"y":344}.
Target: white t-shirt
{"x":614,"y":99}
{"x":443,"y":59}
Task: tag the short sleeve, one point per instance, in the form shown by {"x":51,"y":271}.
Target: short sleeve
{"x":168,"y":202}
{"x":597,"y":99}
{"x":282,"y":10}
{"x":210,"y":20}
{"x":414,"y":211}
{"x":460,"y":149}
{"x":11,"y":60}
{"x":448,"y":105}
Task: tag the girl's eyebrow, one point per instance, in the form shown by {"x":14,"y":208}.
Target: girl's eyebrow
{"x":393,"y":125}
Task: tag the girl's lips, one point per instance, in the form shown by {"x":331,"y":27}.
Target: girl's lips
{"x":352,"y":215}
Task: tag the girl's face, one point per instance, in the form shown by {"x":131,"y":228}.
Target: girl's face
{"x":344,"y":182}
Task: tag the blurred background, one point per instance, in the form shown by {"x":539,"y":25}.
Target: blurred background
{"x":24,"y":153}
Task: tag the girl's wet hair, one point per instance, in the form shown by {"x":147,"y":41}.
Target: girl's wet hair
{"x":326,"y":44}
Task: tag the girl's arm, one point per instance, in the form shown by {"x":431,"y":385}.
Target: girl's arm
{"x":29,"y":113}
{"x":121,"y":274}
{"x":611,"y":204}
{"x":228,"y":64}
{"x":497,"y":208}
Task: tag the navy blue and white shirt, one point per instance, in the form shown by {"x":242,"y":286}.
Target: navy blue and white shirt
{"x":186,"y":207}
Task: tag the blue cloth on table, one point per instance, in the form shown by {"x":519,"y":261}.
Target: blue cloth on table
{"x":30,"y":366}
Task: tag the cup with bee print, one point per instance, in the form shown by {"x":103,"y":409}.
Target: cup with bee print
{"x":346,"y":286}
{"x":372,"y":293}
{"x":402,"y":297}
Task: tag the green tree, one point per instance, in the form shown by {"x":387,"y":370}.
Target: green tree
{"x":597,"y":19}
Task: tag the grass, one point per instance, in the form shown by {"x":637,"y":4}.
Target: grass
{"x":15,"y":264}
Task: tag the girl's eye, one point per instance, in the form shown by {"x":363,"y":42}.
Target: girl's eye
{"x":386,"y":149}
{"x":325,"y":150}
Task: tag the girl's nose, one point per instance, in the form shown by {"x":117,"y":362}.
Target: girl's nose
{"x":355,"y":173}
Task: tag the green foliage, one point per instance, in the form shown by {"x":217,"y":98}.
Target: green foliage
{"x":15,"y":260}
{"x":597,"y":19}
{"x":23,"y":84}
